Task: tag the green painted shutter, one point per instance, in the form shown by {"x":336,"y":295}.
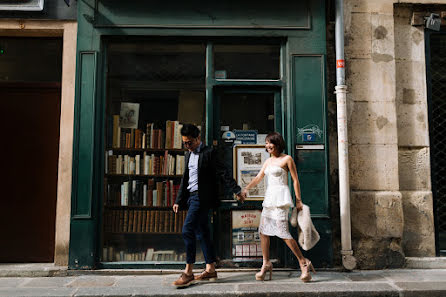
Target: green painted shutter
{"x":82,"y":243}
{"x":312,"y":155}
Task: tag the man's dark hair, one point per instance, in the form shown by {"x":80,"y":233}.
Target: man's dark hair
{"x":190,"y":130}
{"x":276,"y":139}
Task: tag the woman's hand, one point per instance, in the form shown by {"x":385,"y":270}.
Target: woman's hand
{"x":299,"y":205}
{"x":244,"y":193}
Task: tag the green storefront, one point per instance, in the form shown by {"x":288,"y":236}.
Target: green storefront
{"x":237,"y":69}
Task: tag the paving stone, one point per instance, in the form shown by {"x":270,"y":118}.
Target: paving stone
{"x":48,"y":282}
{"x":426,"y":288}
{"x":12,"y":282}
{"x":92,"y":281}
{"x":37,"y":292}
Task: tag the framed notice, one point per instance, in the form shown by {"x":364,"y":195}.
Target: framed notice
{"x":248,"y":160}
{"x":245,"y":235}
{"x":21,"y":5}
{"x":129,"y":114}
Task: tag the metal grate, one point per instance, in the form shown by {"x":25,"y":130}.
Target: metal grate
{"x":438,"y":130}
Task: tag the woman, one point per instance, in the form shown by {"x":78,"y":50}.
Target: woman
{"x":276,"y":205}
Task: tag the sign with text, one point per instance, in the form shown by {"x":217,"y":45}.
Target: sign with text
{"x":246,"y":136}
{"x":245,"y":235}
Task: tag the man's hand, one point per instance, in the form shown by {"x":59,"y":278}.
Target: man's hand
{"x":175,"y":208}
{"x":242,"y":196}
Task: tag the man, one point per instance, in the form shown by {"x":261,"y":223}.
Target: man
{"x":198,"y":194}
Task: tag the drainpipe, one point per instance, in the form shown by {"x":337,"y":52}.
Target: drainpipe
{"x":348,"y":261}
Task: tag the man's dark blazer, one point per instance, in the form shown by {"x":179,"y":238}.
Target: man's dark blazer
{"x":210,"y":170}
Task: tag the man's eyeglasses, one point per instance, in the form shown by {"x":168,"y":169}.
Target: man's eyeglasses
{"x":188,"y":143}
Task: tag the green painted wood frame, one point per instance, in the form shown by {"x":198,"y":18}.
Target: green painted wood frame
{"x":88,"y":147}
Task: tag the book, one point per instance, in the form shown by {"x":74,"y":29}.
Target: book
{"x":139,"y":221}
{"x":147,"y":221}
{"x":116,"y":132}
{"x":177,"y":142}
{"x":155,"y":198}
{"x":150,"y":188}
{"x":137,"y":164}
{"x":171,"y":220}
{"x":130,"y":225}
{"x":138,"y":138}
{"x":121,"y":221}
{"x":156,"y":221}
{"x":126,"y":220}
{"x":152,"y":221}
{"x":149,"y":254}
{"x":168,"y":135}
{"x":161,"y":221}
{"x":144,"y":195}
{"x":135,"y":220}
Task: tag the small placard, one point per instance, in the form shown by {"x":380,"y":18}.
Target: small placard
{"x":309,"y":137}
{"x":246,"y":136}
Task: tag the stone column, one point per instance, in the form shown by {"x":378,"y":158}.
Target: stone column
{"x":413,"y":136}
{"x":376,"y":202}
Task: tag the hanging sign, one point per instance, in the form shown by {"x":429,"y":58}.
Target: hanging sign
{"x":24,"y":5}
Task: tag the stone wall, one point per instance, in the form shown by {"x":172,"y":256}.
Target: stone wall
{"x":391,"y":198}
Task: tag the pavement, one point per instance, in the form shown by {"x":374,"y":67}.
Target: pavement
{"x":139,"y":283}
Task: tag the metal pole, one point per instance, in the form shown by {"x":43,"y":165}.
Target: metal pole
{"x":348,"y":261}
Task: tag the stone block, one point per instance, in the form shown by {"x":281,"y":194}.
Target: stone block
{"x":358,"y":37}
{"x":410,"y":75}
{"x":374,"y":167}
{"x":370,"y":81}
{"x":376,"y":6}
{"x":414,"y":169}
{"x":409,"y":40}
{"x":408,"y":95}
{"x":376,"y":214}
{"x":378,"y":254}
{"x":377,"y":229}
{"x":383,"y":47}
{"x":412,"y":122}
{"x":373,"y":122}
{"x":419,"y":230}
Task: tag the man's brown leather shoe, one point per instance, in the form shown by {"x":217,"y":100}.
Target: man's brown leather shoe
{"x":207,"y":276}
{"x":184,"y":280}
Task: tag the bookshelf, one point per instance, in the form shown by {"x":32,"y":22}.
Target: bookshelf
{"x":143,"y":170}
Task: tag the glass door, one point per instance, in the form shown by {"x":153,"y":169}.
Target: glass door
{"x":243,"y":116}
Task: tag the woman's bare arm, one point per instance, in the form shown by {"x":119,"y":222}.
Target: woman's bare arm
{"x":296,"y":185}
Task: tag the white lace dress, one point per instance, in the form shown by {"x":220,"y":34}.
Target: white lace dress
{"x":277,"y":203}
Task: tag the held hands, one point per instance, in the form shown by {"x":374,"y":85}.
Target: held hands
{"x":242,"y":196}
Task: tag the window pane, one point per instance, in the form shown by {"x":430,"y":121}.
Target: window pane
{"x":152,"y":88}
{"x":243,"y":111}
{"x":247,"y":61}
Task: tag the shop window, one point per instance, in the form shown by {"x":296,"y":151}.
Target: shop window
{"x":152,"y":89}
{"x":254,"y":61}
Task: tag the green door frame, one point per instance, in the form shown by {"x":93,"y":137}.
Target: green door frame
{"x":88,"y":145}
